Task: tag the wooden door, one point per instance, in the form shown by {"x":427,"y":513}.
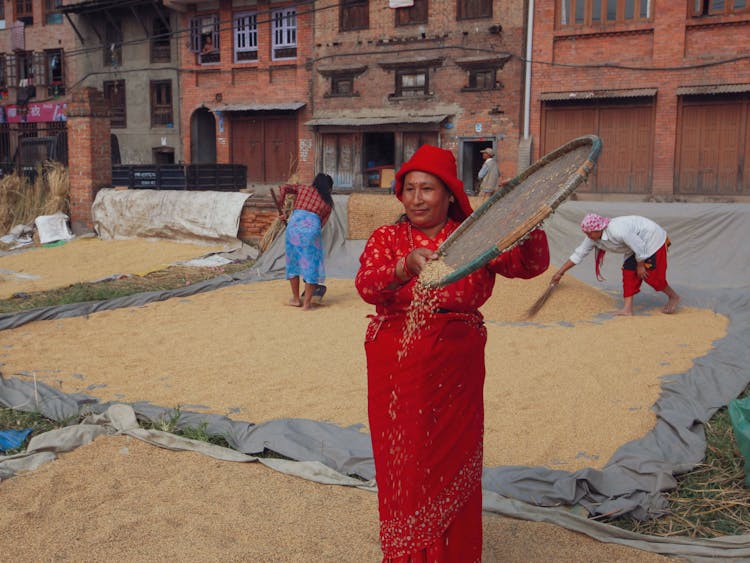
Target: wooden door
{"x":563,"y":124}
{"x":712,"y":148}
{"x":342,"y":156}
{"x":266,"y":145}
{"x":280,"y":149}
{"x":411,"y":141}
{"x":627,"y":133}
{"x":247,"y":147}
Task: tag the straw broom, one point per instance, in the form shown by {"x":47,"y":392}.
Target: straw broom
{"x":539,"y":303}
{"x":278,"y":225}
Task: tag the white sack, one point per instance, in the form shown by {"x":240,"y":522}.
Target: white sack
{"x":52,"y":228}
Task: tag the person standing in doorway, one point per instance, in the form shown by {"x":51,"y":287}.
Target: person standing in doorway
{"x":489,"y":174}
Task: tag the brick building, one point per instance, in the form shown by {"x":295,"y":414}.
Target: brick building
{"x":386,"y":79}
{"x":666,"y":85}
{"x":245,"y":86}
{"x":35,"y":76}
{"x":128,"y":50}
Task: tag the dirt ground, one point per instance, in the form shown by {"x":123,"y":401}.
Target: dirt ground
{"x":564,"y":392}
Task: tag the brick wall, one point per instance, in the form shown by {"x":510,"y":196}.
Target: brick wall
{"x":263,"y":82}
{"x":476,"y":114}
{"x":670,"y":41}
{"x":89,"y":154}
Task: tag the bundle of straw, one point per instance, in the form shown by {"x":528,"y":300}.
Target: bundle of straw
{"x":58,"y":188}
{"x":279,"y":223}
{"x":539,"y":303}
{"x":22,"y":201}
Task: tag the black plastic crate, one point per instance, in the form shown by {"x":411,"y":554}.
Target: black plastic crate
{"x":220,"y":177}
{"x":149,"y":176}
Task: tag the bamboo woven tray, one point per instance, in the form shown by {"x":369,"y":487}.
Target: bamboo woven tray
{"x":519,"y":207}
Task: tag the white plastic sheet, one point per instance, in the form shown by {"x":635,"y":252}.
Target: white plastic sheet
{"x":188,"y":216}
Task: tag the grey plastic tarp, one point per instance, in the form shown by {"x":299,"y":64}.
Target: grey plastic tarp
{"x":708,"y":262}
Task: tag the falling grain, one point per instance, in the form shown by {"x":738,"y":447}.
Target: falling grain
{"x":433,"y":272}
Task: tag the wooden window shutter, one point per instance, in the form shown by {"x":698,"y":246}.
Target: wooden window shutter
{"x":195,"y":35}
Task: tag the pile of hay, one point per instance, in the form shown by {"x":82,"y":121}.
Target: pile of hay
{"x":22,"y":201}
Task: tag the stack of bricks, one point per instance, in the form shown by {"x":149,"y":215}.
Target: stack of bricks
{"x":256,"y":217}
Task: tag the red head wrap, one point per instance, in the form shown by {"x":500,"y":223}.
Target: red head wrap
{"x":441,"y":163}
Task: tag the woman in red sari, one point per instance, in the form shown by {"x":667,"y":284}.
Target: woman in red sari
{"x":425,"y":403}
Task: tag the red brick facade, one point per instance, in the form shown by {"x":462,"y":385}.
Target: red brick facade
{"x":40,"y":35}
{"x":261,"y":85}
{"x":671,"y":52}
{"x":450,"y":47}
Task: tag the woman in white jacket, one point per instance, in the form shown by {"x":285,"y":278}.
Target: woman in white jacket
{"x":644,"y":244}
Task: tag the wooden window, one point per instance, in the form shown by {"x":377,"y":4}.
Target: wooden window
{"x":161,"y":45}
{"x":25,"y":11}
{"x":482,"y":79}
{"x":2,"y":10}
{"x":204,"y":38}
{"x":598,"y":12}
{"x":114,"y":94}
{"x":11,"y":70}
{"x":412,"y":15}
{"x":284,"y":33}
{"x":161,"y":103}
{"x":54,"y":72}
{"x":25,"y":67}
{"x":246,"y":37}
{"x":342,"y":85}
{"x":473,"y":9}
{"x":354,"y":14}
{"x":112,"y":44}
{"x":412,"y":82}
{"x":719,"y":7}
{"x":52,"y":13}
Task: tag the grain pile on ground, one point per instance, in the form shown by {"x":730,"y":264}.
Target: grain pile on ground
{"x":239,"y":351}
{"x":120,"y":499}
{"x":90,"y":259}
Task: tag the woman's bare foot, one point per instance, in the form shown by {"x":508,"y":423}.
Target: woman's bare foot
{"x":624,"y":313}
{"x":295,"y":302}
{"x":671,"y":305}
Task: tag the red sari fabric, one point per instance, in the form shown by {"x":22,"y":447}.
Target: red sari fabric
{"x":425,"y":403}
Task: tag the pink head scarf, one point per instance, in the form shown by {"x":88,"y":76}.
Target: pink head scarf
{"x":593,"y":222}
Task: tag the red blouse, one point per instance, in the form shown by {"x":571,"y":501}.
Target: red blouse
{"x":389,"y":243}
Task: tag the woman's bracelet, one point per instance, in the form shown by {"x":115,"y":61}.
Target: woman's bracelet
{"x":404,"y":270}
{"x":407,"y":271}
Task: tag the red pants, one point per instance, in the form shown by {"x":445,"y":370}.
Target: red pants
{"x":656,"y":266}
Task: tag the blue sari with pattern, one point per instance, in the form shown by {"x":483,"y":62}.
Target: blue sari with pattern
{"x":304,"y":248}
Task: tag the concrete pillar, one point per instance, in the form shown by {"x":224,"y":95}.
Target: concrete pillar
{"x":89,"y":154}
